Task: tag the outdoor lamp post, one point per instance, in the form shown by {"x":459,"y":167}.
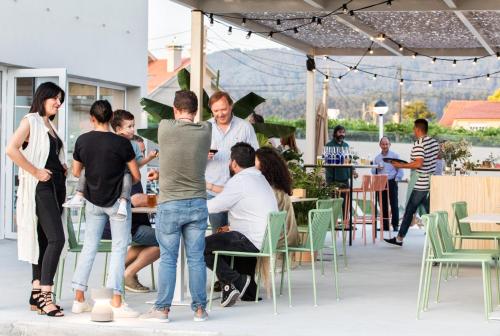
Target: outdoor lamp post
{"x":380,"y":108}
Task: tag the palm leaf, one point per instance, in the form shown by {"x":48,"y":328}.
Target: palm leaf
{"x":184,"y":79}
{"x":246,"y":105}
{"x":156,"y":110}
{"x":149,"y":133}
{"x":273,"y":130}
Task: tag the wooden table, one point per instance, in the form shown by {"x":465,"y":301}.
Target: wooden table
{"x":492,"y":218}
{"x":180,"y":292}
{"x":351,"y":168}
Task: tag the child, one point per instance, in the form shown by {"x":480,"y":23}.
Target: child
{"x":123,"y":124}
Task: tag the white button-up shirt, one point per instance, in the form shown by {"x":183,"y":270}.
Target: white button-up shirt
{"x":388,"y":169}
{"x":249,"y":199}
{"x":239,"y":130}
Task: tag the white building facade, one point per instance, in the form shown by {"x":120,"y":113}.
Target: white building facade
{"x":93,"y":49}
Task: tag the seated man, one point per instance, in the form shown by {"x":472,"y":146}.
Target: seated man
{"x":249,"y":199}
{"x":144,"y":250}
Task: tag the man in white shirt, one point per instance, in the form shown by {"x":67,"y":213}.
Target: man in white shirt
{"x":227,"y":130}
{"x":393,"y":175}
{"x":249,"y":199}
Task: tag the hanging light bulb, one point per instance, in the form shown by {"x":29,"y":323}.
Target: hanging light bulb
{"x":414,"y":55}
{"x":313,"y":20}
{"x":351,"y":13}
{"x":278,"y":22}
{"x":498,"y":55}
{"x":401,"y":81}
{"x":249,"y":34}
{"x":433,"y":60}
{"x":454,"y":62}
{"x":400,"y":47}
{"x":487,"y":77}
{"x":474,"y":62}
{"x":344,"y":9}
{"x":370,"y":50}
{"x":374,"y":76}
{"x":339,"y":78}
{"x":295,"y":30}
{"x":459,"y":82}
{"x":270,"y":35}
{"x":229,"y":30}
{"x":389,"y":3}
{"x":211,"y":19}
{"x":318,"y":21}
{"x":243,"y":22}
{"x":380,"y":37}
{"x":355,"y":69}
{"x":327,"y":79}
{"x":429,"y":83}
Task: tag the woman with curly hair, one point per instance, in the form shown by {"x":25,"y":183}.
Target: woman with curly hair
{"x":276,"y":172}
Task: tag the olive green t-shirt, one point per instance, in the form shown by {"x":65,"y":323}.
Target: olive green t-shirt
{"x":184,"y":149}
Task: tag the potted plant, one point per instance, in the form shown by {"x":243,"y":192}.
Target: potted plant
{"x":453,"y":151}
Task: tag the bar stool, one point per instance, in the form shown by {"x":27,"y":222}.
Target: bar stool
{"x":379,"y":184}
{"x":365,"y":189}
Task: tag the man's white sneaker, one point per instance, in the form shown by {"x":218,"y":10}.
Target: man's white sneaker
{"x":157,"y":314}
{"x":124,"y":311}
{"x":75,"y":202}
{"x":80,"y":307}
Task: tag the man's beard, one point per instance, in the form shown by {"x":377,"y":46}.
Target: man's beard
{"x":231,"y":171}
{"x":339,"y":138}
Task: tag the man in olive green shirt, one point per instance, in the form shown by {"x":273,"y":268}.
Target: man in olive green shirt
{"x":338,"y":175}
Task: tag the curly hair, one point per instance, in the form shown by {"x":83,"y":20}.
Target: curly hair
{"x":274,"y":169}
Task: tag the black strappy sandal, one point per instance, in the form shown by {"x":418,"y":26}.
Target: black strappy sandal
{"x":33,"y":301}
{"x":44,"y":300}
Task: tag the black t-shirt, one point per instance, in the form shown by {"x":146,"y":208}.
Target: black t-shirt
{"x":104,"y":156}
{"x":53,"y":164}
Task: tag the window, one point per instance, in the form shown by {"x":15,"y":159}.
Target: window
{"x":115,"y":97}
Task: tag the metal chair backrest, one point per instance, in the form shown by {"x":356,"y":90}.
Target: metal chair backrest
{"x":430,"y":222}
{"x":72,"y":240}
{"x":336,"y":205}
{"x":276,"y":223}
{"x":460,"y":211}
{"x":444,"y":231}
{"x":366,"y":182}
{"x":379,"y":182}
{"x":319,"y":223}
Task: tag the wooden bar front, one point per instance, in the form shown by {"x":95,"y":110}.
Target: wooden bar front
{"x":482,"y":194}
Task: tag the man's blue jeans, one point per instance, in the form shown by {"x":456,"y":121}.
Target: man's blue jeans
{"x":417,"y":198}
{"x":189,"y":219}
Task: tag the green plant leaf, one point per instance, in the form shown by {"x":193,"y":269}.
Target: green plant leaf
{"x":184,"y":79}
{"x":273,"y":130}
{"x":149,"y":133}
{"x":156,"y":110}
{"x":246,"y":105}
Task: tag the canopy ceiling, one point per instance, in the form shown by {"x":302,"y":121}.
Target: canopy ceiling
{"x":429,"y":27}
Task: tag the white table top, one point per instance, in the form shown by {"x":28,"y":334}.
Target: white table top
{"x":302,"y":199}
{"x":492,"y":218}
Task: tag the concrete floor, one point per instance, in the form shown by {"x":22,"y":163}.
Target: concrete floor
{"x":378,"y":289}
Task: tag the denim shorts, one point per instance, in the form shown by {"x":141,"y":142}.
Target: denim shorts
{"x":145,"y":236}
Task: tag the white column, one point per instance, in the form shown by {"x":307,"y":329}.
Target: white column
{"x":310,"y":151}
{"x":197,"y":59}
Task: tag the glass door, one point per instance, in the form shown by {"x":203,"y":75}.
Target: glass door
{"x":22,"y":85}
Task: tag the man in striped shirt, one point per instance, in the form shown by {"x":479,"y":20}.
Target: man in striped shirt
{"x":423,"y":160}
{"x":227,"y":130}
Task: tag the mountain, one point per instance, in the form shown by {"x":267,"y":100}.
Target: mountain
{"x":279,"y":75}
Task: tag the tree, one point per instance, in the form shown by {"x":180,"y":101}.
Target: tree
{"x":495,"y":97}
{"x":416,"y":110}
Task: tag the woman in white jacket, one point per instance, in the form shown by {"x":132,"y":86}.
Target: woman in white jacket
{"x":38,"y":151}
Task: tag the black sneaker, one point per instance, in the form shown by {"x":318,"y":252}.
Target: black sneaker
{"x":242,"y":284}
{"x":229,"y":295}
{"x":393,"y":241}
{"x":217,"y":286}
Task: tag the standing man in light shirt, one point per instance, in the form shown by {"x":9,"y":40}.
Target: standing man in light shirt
{"x":227,"y":130}
{"x":249,"y":199}
{"x":393,"y":175}
{"x":423,"y":160}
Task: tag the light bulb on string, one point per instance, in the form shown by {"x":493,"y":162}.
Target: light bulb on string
{"x":389,"y":3}
{"x":429,"y":83}
{"x":313,"y":20}
{"x":339,"y":78}
{"x":433,"y":60}
{"x":278,"y":22}
{"x":400,"y":47}
{"x":498,"y":55}
{"x":270,"y":35}
{"x":459,"y":82}
{"x":454,"y":62}
{"x":414,"y":55}
{"x":318,"y":21}
{"x":370,"y":50}
{"x":229,"y":30}
{"x":344,"y":8}
{"x":249,"y":34}
{"x":211,"y":19}
{"x":374,"y":76}
{"x":243,"y":22}
{"x":474,"y":62}
{"x":355,"y":69}
{"x":351,"y":13}
{"x":401,"y":81}
{"x":487,"y":77}
{"x":295,"y":30}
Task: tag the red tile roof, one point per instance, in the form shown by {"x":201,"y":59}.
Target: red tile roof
{"x":158,"y":74}
{"x":469,"y":109}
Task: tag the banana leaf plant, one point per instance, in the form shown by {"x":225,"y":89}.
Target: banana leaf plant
{"x":241,"y":108}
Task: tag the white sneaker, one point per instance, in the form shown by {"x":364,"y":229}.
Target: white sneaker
{"x":124,"y":311}
{"x":75,"y":202}
{"x":160,"y":315}
{"x":122,"y":209}
{"x":80,"y":307}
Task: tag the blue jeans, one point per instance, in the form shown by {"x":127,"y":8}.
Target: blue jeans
{"x":96,"y":219}
{"x":145,"y":236}
{"x":417,"y":198}
{"x":189,"y":219}
{"x":217,"y":219}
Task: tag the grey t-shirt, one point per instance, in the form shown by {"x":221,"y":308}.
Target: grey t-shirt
{"x":184,"y":149}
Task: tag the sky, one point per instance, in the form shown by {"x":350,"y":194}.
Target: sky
{"x":170,"y":22}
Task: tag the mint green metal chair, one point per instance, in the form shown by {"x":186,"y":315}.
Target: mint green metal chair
{"x":276,"y":228}
{"x":464,"y":229}
{"x":434,"y":251}
{"x":319,"y":222}
{"x":336,"y":205}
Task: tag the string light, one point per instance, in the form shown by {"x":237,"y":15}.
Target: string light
{"x":211,"y":19}
{"x":355,"y":69}
{"x":370,"y":50}
{"x":429,"y":83}
{"x":229,"y":30}
{"x":295,"y":30}
{"x":414,"y":55}
{"x":401,"y":81}
{"x":459,"y":82}
{"x":313,"y":20}
{"x":400,"y":47}
{"x":344,"y":8}
{"x":278,"y":22}
{"x":318,"y":21}
{"x":433,"y":60}
{"x":380,"y":37}
{"x":270,"y":35}
{"x":374,"y":76}
{"x":498,"y":55}
{"x":243,"y":22}
{"x":339,"y":78}
{"x":454,"y":62}
{"x":351,"y":13}
{"x":487,"y":77}
{"x":389,"y":3}
{"x":474,"y":62}
{"x":249,"y":34}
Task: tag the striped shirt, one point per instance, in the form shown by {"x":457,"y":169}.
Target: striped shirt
{"x":428,"y":149}
{"x":239,"y":130}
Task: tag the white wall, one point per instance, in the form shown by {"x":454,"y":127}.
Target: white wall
{"x":48,"y":34}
